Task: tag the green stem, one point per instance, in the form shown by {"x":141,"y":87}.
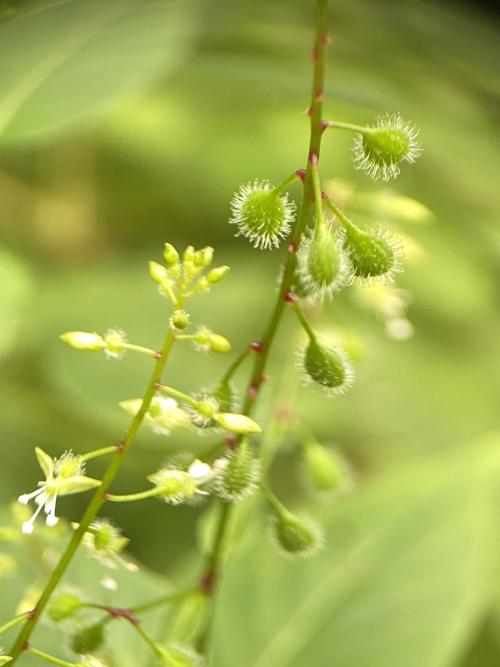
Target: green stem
{"x":236,"y":364}
{"x":304,"y":321}
{"x":12,"y":622}
{"x":179,"y":395}
{"x":284,"y":184}
{"x":276,"y":504}
{"x":96,"y":502}
{"x":99,"y":452}
{"x":316,"y":107}
{"x":318,"y":197}
{"x":149,"y":640}
{"x":49,"y":658}
{"x":131,"y":497}
{"x":346,"y":126}
{"x":343,"y":219}
{"x":169,"y":598}
{"x":141,"y":349}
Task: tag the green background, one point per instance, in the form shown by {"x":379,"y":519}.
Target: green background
{"x":125,"y":124}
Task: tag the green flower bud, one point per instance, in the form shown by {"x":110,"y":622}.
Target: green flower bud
{"x":92,"y":661}
{"x":262,"y":214}
{"x":4,"y":659}
{"x":219,"y":344}
{"x":323,"y":468}
{"x":158,"y":272}
{"x":322,"y":264}
{"x":204,"y":256}
{"x":380,"y":149}
{"x":170,"y":254}
{"x":217,"y":274}
{"x":178,"y":655}
{"x":202,"y":285}
{"x":237,"y":474}
{"x":189,"y":255}
{"x":82,"y":340}
{"x":239,"y":424}
{"x":327,"y":367}
{"x":63,"y":605}
{"x":163,"y":415}
{"x":88,"y":639}
{"x":296,"y":536}
{"x":180,"y":320}
{"x":374,"y":256}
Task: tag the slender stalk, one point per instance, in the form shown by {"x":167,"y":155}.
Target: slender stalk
{"x":286,"y":183}
{"x":179,"y":395}
{"x":343,"y":219}
{"x":99,"y":452}
{"x":49,"y":658}
{"x":12,"y":622}
{"x":212,"y":565}
{"x":304,"y":321}
{"x":345,"y":126}
{"x":168,"y":598}
{"x":236,"y":364}
{"x":132,"y":497}
{"x":96,"y":502}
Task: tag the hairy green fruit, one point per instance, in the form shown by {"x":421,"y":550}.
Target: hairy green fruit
{"x":327,"y":367}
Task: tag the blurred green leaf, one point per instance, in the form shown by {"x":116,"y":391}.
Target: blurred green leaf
{"x":405,"y":578}
{"x":70,"y":60}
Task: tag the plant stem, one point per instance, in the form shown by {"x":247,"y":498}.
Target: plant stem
{"x":168,"y":598}
{"x":131,"y":497}
{"x":344,"y":220}
{"x":179,"y":395}
{"x":236,"y":364}
{"x":99,"y":452}
{"x":304,"y":322}
{"x":12,"y":622}
{"x":49,"y":658}
{"x":346,"y":126}
{"x":96,"y":502}
{"x":212,"y":564}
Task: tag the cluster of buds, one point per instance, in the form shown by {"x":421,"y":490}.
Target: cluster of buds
{"x":185,"y":276}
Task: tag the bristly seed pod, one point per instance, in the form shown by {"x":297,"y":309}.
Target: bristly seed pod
{"x":374,"y":256}
{"x":63,"y":605}
{"x":322,"y":265}
{"x":179,"y":655}
{"x":88,"y":639}
{"x":380,"y":149}
{"x":328,"y":367}
{"x":262,"y":214}
{"x":296,"y":536}
{"x":237,"y":473}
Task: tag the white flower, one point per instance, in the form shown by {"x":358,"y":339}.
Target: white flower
{"x":176,"y":486}
{"x":63,"y":477}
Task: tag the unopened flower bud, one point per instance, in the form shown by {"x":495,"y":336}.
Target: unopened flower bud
{"x":4,"y":659}
{"x":63,"y":605}
{"x":219,"y":344}
{"x":202,"y":285}
{"x":380,"y":149}
{"x":180,"y":320}
{"x":204,"y":256}
{"x":262,"y":214}
{"x":82,"y":340}
{"x":374,"y":256}
{"x":104,"y":542}
{"x":239,"y":424}
{"x":88,"y":639}
{"x":189,"y":255}
{"x":296,"y":536}
{"x":158,"y":272}
{"x":237,"y":473}
{"x":217,"y":274}
{"x":327,"y":367}
{"x":170,"y":254}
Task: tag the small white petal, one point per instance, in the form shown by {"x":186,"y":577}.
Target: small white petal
{"x":51,"y":520}
{"x":199,"y":470}
{"x":27,"y":527}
